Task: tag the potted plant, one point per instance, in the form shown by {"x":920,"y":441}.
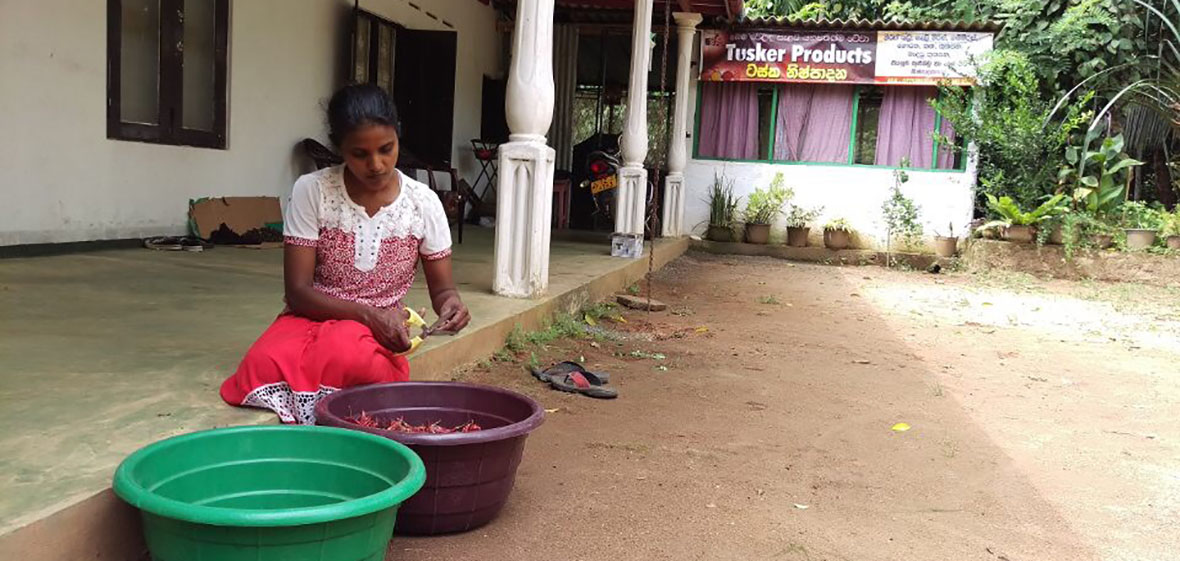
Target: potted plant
{"x":837,"y":234}
{"x":1171,"y":229}
{"x":1141,"y":223}
{"x":799,"y":221}
{"x":723,"y":206}
{"x":1052,"y":231}
{"x":1020,"y":226}
{"x":946,"y":246}
{"x":764,"y":207}
{"x":1084,"y":229}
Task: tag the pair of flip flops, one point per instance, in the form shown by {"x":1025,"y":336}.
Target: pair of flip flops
{"x":572,"y":377}
{"x":177,"y":243}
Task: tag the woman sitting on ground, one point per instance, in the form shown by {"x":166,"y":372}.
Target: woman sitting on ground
{"x":353,"y":235}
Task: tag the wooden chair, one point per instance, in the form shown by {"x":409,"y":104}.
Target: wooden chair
{"x":454,"y":201}
{"x":320,"y":155}
{"x":562,"y":185}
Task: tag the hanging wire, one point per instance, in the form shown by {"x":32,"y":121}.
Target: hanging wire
{"x":651,"y":209}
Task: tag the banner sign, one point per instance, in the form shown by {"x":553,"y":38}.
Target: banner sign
{"x":848,"y":57}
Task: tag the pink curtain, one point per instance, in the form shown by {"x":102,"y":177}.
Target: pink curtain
{"x":905,"y":126}
{"x":813,"y":123}
{"x":729,"y":121}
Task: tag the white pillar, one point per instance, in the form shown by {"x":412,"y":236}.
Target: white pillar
{"x":524,"y":197}
{"x":673,"y":219}
{"x":630,"y":212}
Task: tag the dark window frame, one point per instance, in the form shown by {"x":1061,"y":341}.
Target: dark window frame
{"x":168,"y":128}
{"x":372,"y":57}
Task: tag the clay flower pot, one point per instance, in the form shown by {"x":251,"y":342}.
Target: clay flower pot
{"x":945,"y":247}
{"x":1140,"y":239}
{"x":797,"y":236}
{"x":1020,"y":234}
{"x":837,"y":239}
{"x":1057,"y":236}
{"x":758,"y":233}
{"x":720,"y":233}
{"x":1173,"y":242}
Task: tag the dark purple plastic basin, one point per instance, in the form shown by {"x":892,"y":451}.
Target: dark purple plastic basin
{"x":468,"y":475}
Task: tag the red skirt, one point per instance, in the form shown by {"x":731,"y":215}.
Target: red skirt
{"x":297,"y":361}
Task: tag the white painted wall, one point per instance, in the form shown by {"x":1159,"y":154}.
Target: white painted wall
{"x":63,"y":180}
{"x":853,"y":193}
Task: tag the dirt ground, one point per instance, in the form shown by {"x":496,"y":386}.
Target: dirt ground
{"x":757,"y":424}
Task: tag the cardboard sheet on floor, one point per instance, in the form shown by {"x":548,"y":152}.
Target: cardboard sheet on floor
{"x":239,"y":214}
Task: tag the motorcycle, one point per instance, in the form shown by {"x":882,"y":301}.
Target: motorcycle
{"x":602,"y":172}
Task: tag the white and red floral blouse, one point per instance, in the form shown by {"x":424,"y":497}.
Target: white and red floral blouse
{"x":371,"y":260}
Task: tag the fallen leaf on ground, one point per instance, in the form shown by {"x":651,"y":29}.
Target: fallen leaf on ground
{"x":862,"y":361}
{"x":590,"y":320}
{"x":802,"y":507}
{"x":553,"y":410}
{"x":702,"y":329}
{"x":900,"y":427}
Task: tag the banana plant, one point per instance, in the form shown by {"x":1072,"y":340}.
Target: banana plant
{"x":1097,"y":176}
{"x":1011,"y":215}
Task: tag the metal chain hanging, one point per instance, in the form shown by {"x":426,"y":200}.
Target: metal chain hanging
{"x":660,"y":160}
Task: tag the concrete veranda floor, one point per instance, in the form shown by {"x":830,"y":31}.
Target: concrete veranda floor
{"x":105,"y":352}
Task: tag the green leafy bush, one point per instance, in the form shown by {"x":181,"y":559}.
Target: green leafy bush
{"x":901,"y":214}
{"x":1011,"y":215}
{"x":1137,"y":215}
{"x":1019,"y":146}
{"x":766,"y":205}
{"x":1170,"y":223}
{"x":1096,"y":178}
{"x":838,"y":224}
{"x":801,"y":217}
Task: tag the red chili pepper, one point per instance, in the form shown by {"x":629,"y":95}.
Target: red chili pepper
{"x":400,"y":425}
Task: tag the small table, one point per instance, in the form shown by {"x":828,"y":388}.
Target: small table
{"x":486,"y":153}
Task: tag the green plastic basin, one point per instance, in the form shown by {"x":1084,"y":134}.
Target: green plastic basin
{"x":270,"y":493}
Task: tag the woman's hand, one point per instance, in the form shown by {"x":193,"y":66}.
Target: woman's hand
{"x":389,"y":328}
{"x":452,"y":315}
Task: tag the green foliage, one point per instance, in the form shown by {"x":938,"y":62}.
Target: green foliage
{"x":1097,"y":178}
{"x":1011,"y":215}
{"x":900,"y":213}
{"x":838,"y":224}
{"x":766,"y":205}
{"x":1078,"y":229}
{"x":1071,"y":40}
{"x":801,"y":217}
{"x":1170,"y":223}
{"x":865,"y":9}
{"x":1141,"y":216}
{"x":723,"y":204}
{"x":1019,"y":146}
